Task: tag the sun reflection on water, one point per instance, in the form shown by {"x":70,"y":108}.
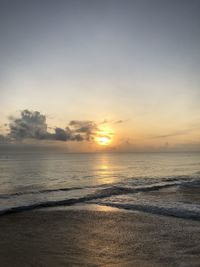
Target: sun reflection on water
{"x":104,"y":170}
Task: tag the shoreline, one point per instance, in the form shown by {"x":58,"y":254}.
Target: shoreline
{"x":91,"y":235}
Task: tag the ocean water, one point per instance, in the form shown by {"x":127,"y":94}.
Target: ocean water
{"x":160,"y":183}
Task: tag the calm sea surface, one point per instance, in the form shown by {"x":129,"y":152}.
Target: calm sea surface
{"x":154,"y":182}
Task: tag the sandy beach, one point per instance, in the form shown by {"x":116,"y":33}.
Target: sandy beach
{"x":97,"y":236}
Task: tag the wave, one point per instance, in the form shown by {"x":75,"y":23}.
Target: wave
{"x":118,"y":190}
{"x":184,"y":213}
{"x":151,"y":184}
{"x":33,"y":192}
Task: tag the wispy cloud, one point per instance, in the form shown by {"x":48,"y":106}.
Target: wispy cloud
{"x":113,"y":121}
{"x":192,"y":128}
{"x":119,"y":121}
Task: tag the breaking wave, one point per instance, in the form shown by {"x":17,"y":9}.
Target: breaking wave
{"x":104,"y":194}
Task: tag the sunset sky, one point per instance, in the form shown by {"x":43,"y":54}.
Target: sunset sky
{"x":130,"y":68}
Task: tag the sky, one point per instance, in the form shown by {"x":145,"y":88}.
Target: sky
{"x":128,"y":70}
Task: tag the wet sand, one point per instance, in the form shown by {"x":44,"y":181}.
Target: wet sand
{"x":97,"y":237}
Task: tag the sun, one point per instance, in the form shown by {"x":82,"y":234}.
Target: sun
{"x":104,"y":136}
{"x":103,"y":140}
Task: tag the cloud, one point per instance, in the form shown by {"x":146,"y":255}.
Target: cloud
{"x":119,"y":121}
{"x":170,"y":134}
{"x":61,"y":134}
{"x":105,"y":121}
{"x":85,"y":128}
{"x":194,"y":127}
{"x":29,"y":125}
{"x":32,"y":124}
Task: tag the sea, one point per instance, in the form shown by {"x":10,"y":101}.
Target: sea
{"x":166,"y":184}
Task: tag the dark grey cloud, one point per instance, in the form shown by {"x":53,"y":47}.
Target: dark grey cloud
{"x":32,"y":124}
{"x":61,"y":134}
{"x":29,"y":125}
{"x":84,"y":128}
